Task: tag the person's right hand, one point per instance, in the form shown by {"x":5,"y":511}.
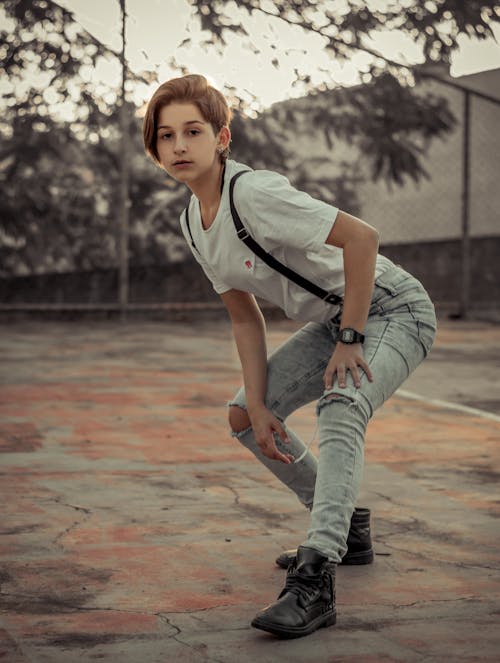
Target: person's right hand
{"x":264,"y":425}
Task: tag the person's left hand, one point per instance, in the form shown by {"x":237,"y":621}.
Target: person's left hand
{"x":346,"y":357}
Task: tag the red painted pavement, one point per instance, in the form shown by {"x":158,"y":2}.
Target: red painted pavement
{"x":135,"y":529}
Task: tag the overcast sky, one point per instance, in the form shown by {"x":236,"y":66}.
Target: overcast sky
{"x":157,"y":28}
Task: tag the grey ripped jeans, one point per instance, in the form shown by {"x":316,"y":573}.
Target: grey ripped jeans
{"x":399,"y":333}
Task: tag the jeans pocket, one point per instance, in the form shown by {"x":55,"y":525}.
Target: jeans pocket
{"x":426,"y":334}
{"x":384,"y":287}
{"x":390,"y":285}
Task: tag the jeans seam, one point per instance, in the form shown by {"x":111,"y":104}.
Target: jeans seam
{"x":293,"y":386}
{"x":381,"y":336}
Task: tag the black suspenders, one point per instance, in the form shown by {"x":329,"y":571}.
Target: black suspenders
{"x":256,"y":248}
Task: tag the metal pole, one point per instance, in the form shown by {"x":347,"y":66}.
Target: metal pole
{"x":466,"y":246}
{"x":123,"y":204}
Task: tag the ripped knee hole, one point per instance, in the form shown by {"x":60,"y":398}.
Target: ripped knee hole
{"x":337,"y":397}
{"x":238,"y":418}
{"x":330,"y":399}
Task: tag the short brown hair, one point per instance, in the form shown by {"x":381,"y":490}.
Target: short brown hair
{"x":192,"y":88}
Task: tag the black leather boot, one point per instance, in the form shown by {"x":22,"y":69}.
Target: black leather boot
{"x":307,"y":601}
{"x":359,"y":542}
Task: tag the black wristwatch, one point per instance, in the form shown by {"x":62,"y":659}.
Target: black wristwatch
{"x":348,"y":335}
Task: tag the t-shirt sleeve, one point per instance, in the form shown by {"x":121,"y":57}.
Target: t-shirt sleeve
{"x":219,"y":286}
{"x":281,"y":215}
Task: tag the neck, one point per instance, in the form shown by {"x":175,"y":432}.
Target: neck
{"x":208,"y":193}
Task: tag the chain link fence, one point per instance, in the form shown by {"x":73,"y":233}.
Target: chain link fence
{"x":433,"y":209}
{"x":445,"y":229}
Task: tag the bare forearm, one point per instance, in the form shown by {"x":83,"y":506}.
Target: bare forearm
{"x":249,"y":332}
{"x":250,"y":337}
{"x":359,"y":269}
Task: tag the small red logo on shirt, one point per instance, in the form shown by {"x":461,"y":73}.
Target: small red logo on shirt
{"x":248,"y":264}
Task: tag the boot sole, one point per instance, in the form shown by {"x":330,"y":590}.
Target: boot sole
{"x":288,"y":632}
{"x":350,"y":559}
{"x":363,"y":557}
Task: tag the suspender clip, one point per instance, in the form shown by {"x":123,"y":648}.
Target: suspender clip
{"x":332,"y":298}
{"x":242,"y":234}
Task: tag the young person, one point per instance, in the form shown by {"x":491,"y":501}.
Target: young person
{"x":358,"y":344}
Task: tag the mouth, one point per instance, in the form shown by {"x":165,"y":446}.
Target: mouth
{"x":181,"y":162}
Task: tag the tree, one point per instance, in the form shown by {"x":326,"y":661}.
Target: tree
{"x":387,"y":118}
{"x":434,"y":24}
{"x":47,"y":59}
{"x":59,"y":154}
{"x":60,"y":134}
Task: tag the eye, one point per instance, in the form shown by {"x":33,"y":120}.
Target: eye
{"x":194,"y":132}
{"x":165,"y":136}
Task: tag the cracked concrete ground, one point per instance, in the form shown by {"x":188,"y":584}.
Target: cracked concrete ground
{"x":133,"y":528}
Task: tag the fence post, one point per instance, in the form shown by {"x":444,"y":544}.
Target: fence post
{"x":466,"y":248}
{"x":465,"y":244}
{"x":123,"y":205}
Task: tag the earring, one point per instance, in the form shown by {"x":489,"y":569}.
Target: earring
{"x":220,"y":149}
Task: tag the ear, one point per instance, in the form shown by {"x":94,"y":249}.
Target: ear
{"x":224,"y":137}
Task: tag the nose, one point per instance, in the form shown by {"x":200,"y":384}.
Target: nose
{"x":179,"y":146}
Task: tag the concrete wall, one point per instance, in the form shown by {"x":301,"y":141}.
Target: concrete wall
{"x":432,"y":208}
{"x":436,"y":264}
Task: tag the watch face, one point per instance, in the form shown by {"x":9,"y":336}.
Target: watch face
{"x":347,"y":335}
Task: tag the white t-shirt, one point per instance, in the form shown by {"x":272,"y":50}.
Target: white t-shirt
{"x":289,"y":224}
